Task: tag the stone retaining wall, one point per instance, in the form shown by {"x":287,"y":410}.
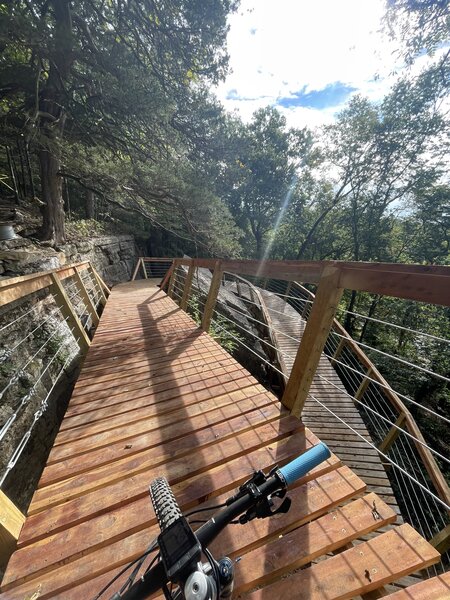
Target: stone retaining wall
{"x":114,"y":257}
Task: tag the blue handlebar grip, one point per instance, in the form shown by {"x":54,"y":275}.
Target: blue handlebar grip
{"x":298,"y":467}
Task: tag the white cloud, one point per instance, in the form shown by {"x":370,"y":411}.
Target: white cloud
{"x":278,"y":47}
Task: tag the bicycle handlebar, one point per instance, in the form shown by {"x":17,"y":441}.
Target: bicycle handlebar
{"x":279,"y":480}
{"x":304,"y":463}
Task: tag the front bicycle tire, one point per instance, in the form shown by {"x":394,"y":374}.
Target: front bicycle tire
{"x":164,"y":503}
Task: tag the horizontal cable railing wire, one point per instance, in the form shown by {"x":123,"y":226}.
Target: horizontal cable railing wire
{"x":37,"y":415}
{"x":40,"y":338}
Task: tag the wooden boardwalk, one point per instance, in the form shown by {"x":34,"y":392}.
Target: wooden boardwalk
{"x":156,"y":396}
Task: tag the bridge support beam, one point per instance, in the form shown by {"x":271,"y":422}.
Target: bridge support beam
{"x":313,"y":341}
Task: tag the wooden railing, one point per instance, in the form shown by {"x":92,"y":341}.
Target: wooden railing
{"x":16,"y":288}
{"x":57,"y":288}
{"x":428,"y":284}
{"x":404,"y":420}
{"x":151,"y":267}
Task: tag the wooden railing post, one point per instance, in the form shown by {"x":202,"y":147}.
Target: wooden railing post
{"x":136,"y":269}
{"x":11,"y":521}
{"x":363,"y":385}
{"x":313,"y":340}
{"x":100,"y":283}
{"x":339,"y":349}
{"x":167,"y":276}
{"x":288,"y":289}
{"x":69,"y":314}
{"x":187,"y":287}
{"x":144,"y":270}
{"x":392,"y":434}
{"x":305,"y":310}
{"x":212,"y":296}
{"x":82,"y":291}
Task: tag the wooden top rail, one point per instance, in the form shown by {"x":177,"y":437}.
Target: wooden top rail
{"x":14,"y":288}
{"x":423,"y":283}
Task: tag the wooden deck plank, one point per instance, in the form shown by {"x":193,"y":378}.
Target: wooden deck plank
{"x":177,"y":435}
{"x":164,"y":381}
{"x":192,"y":405}
{"x":142,"y":471}
{"x":436,"y":588}
{"x":129,"y":501}
{"x":357,"y":570}
{"x":46,"y":542}
{"x":155,"y":366}
{"x":300,"y":547}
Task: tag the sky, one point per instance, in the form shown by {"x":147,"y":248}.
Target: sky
{"x":307,"y":57}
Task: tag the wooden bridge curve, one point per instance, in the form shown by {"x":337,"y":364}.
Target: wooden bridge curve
{"x":157,"y":396}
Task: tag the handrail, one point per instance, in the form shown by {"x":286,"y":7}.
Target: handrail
{"x":423,"y":283}
{"x":429,"y":284}
{"x":71,"y":287}
{"x":407,"y":419}
{"x":14,"y":288}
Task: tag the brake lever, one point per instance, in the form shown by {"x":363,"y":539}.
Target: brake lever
{"x":264,"y":506}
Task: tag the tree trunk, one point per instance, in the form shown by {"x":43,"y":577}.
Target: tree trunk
{"x":53,"y":208}
{"x":350,"y":319}
{"x":373,"y":306}
{"x":52,"y":120}
{"x":90,"y":204}
{"x":313,"y":228}
{"x":12,"y":174}
{"x":30,"y":172}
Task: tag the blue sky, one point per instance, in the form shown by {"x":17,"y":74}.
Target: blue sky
{"x":307,"y":57}
{"x":333,"y":94}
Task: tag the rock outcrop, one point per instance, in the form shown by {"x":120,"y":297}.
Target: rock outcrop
{"x":114,"y":257}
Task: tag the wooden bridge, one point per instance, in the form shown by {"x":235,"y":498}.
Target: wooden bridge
{"x":158,"y":396}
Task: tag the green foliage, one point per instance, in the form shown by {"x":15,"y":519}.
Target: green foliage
{"x":263,"y":173}
{"x":115,"y":94}
{"x":85,"y":228}
{"x":388,"y":162}
{"x":422,"y":25}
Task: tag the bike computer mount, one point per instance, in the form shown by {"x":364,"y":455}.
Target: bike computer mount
{"x":179,"y":548}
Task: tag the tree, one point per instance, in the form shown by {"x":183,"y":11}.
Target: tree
{"x":116,"y":74}
{"x":419,"y":24}
{"x":427,"y":229}
{"x":264,"y":172}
